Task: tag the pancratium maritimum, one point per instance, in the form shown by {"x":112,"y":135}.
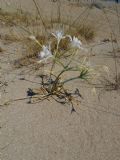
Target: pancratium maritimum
{"x":45,"y":53}
{"x":75,"y":42}
{"x":59,"y":35}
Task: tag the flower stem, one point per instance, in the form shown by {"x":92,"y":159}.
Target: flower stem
{"x":71,"y":79}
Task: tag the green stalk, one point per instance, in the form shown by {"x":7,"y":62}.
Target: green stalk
{"x":71,"y":79}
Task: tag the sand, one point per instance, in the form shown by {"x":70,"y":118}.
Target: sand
{"x":48,"y":130}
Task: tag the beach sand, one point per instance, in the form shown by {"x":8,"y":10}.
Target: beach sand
{"x":47,"y":130}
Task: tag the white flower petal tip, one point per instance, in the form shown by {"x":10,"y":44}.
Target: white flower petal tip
{"x":44,"y":60}
{"x":39,"y":61}
{"x":45,"y":53}
{"x":76,"y":40}
{"x":32,"y":37}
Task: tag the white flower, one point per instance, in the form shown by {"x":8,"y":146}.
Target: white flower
{"x":45,"y":53}
{"x":75,"y":42}
{"x":58,"y":35}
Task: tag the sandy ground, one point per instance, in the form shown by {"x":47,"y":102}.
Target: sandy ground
{"x":47,"y":130}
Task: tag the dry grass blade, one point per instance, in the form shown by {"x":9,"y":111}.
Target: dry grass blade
{"x":38,"y":10}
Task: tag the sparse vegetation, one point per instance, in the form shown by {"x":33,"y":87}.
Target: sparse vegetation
{"x":17,"y":17}
{"x":54,"y":85}
{"x":60,"y":49}
{"x":59,"y":80}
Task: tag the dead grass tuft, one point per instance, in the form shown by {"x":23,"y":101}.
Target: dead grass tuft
{"x":17,"y":17}
{"x":86,"y":31}
{"x":24,"y":61}
{"x":12,"y":38}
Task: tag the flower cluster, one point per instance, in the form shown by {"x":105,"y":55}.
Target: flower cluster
{"x":54,"y":84}
{"x":59,"y":35}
